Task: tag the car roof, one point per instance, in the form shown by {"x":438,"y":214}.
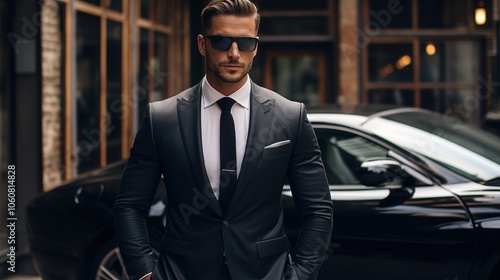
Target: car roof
{"x":355,"y":116}
{"x":337,"y":118}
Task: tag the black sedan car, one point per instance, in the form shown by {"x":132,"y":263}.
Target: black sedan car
{"x":416,"y":196}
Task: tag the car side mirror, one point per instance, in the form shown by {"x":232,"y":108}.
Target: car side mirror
{"x":391,"y":174}
{"x":382,"y":172}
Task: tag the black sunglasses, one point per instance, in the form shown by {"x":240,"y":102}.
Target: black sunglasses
{"x":223,"y":43}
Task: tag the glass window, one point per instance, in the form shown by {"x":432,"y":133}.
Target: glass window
{"x":389,"y":14}
{"x":343,"y":153}
{"x":144,"y":74}
{"x":101,"y":126}
{"x":297,"y":44}
{"x":442,"y":14}
{"x":88,"y":91}
{"x":434,"y":99}
{"x":144,"y":87}
{"x":442,"y":43}
{"x":297,"y":77}
{"x":462,"y":105}
{"x":307,"y":25}
{"x":390,"y":62}
{"x":391,"y":96}
{"x":452,"y":61}
{"x":114,"y":92}
{"x":145,"y":9}
{"x":161,"y":12}
{"x":462,"y":148}
{"x":160,"y":67}
{"x":153,"y":68}
{"x":116,"y":5}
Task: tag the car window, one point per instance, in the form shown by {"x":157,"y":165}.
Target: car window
{"x":471,"y":154}
{"x":343,"y":153}
{"x":472,"y":138}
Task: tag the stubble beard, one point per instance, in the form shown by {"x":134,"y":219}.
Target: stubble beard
{"x":229,"y":77}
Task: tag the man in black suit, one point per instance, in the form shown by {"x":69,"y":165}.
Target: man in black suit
{"x":225,"y":148}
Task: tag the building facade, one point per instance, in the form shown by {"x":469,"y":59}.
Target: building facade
{"x":76,"y":75}
{"x":102,"y":61}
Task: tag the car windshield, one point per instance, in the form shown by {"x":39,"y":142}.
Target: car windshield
{"x":467,"y":150}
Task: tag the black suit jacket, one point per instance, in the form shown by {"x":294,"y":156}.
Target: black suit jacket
{"x":251,"y":233}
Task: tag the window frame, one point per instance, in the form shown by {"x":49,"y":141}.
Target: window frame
{"x":105,"y":14}
{"x":177,"y":16}
{"x":417,"y":36}
{"x":323,"y":46}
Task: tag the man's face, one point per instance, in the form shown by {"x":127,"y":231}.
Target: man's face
{"x":227,"y":70}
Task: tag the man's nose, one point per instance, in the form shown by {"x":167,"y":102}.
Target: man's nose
{"x":233,"y":51}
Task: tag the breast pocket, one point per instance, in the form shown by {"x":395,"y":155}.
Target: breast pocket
{"x":277,"y":151}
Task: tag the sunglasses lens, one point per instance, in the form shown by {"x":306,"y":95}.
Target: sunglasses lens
{"x":223,"y":43}
{"x":247,"y":44}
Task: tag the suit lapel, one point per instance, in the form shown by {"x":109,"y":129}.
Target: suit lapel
{"x":188,"y":108}
{"x":261,"y":114}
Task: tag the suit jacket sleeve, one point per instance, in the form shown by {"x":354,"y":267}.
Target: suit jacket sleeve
{"x":312,"y":198}
{"x":137,"y":188}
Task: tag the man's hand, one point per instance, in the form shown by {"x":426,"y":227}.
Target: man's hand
{"x":147,"y":277}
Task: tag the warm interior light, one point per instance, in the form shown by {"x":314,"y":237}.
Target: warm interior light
{"x":404,"y":61}
{"x":480,"y":14}
{"x":430,"y":49}
{"x":386,"y":70}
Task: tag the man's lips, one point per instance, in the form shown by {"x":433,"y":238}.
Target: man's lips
{"x":232,"y":66}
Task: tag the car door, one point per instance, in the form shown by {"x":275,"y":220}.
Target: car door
{"x":419,"y":231}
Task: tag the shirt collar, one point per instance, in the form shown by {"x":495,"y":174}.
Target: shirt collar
{"x":211,"y":95}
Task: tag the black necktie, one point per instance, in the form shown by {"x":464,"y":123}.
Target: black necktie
{"x":227,"y":153}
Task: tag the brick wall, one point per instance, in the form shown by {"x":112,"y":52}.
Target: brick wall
{"x":51,"y":98}
{"x":348,"y":53}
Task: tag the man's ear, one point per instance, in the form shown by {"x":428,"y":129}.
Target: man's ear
{"x":202,"y":46}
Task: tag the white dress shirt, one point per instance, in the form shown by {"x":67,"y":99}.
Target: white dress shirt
{"x":210,"y":128}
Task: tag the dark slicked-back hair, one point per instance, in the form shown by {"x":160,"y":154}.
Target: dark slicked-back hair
{"x":228,"y":7}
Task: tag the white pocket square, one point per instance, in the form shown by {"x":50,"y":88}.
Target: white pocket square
{"x":277,"y":144}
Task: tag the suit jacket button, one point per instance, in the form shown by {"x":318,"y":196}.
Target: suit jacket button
{"x":225,"y":223}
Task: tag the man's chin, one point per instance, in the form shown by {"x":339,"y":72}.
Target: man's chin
{"x":232,"y":78}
